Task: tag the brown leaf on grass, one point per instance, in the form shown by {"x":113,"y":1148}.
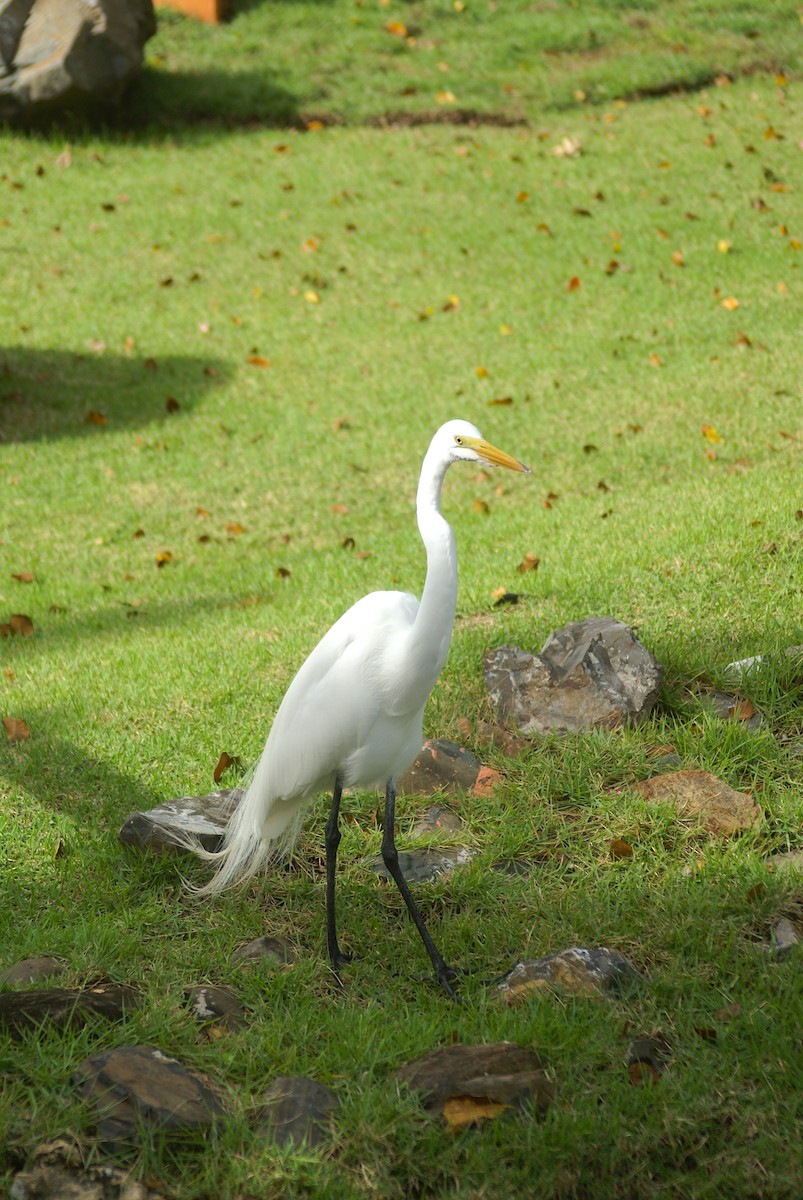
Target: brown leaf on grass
{"x":19,"y":623}
{"x":16,"y":729}
{"x":462,"y":1111}
{"x":729,"y":1012}
{"x":150,"y":364}
{"x":23,"y":576}
{"x":656,"y":360}
{"x":163,"y":558}
{"x":223,"y":763}
{"x":172,"y":405}
{"x":574,"y":283}
{"x":501,"y":401}
{"x":641,"y":1073}
{"x":530,"y":562}
{"x":661,"y":751}
{"x":678,"y":259}
{"x":481,"y":506}
{"x":234,"y":528}
{"x":730,"y":303}
{"x":481,"y":372}
{"x":258,"y":360}
{"x":283,"y":572}
{"x":396,"y":29}
{"x":339,"y":508}
{"x":95,"y":417}
{"x":710,"y":433}
{"x":621,"y":849}
{"x":742,"y":710}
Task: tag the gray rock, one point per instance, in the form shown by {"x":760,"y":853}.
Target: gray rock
{"x":424,"y":866}
{"x":138,"y":1086}
{"x":784,"y":937}
{"x":264,"y":947}
{"x":68,"y":1169}
{"x":298,"y":1110}
{"x":215,"y":1005}
{"x":31,"y":970}
{"x":56,"y":53}
{"x":502,"y":1072}
{"x":443,"y":766}
{"x":164,"y":829}
{"x":576,"y":969}
{"x":589,"y":674}
{"x":63,"y":1008}
{"x":730,"y":708}
{"x":436,"y":819}
{"x":791,"y":860}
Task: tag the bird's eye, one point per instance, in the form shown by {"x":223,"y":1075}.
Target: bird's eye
{"x":458,"y":440}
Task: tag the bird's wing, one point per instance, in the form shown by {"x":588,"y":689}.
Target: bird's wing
{"x":337,"y":696}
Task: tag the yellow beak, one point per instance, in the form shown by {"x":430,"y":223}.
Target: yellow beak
{"x":493,"y":456}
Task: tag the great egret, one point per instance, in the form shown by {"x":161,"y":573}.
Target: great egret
{"x":353,"y":715}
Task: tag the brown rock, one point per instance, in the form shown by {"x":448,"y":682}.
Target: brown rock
{"x":31,"y":970}
{"x":134,"y":1086}
{"x":64,"y":1007}
{"x":697,"y":793}
{"x":502,"y":1072}
{"x":443,"y":766}
{"x":576,"y":970}
{"x":298,"y":1110}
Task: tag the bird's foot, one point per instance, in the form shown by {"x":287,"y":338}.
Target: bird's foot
{"x":445,"y":978}
{"x":338,"y":958}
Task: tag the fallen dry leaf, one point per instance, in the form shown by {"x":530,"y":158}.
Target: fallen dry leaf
{"x":258,"y":360}
{"x":710,"y":433}
{"x":19,"y":623}
{"x":172,"y":405}
{"x":223,"y":763}
{"x":23,"y":576}
{"x":621,"y":849}
{"x":16,"y":729}
{"x":574,"y":283}
{"x":94,"y":417}
{"x":234,"y":528}
{"x":730,"y":303}
{"x":163,"y":558}
{"x":530,"y":562}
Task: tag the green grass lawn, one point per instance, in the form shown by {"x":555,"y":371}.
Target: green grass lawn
{"x":268,"y":326}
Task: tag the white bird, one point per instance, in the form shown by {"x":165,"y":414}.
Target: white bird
{"x":353,"y":715}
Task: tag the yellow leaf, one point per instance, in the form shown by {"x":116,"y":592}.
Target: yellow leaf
{"x":312,"y":297}
{"x":445,"y":97}
{"x":710,"y":433}
{"x":481,"y":372}
{"x":505,"y":330}
{"x":730,"y":303}
{"x":310,"y":245}
{"x":258,"y":360}
{"x":396,"y":29}
{"x":723,"y":245}
{"x":163,"y":557}
{"x":461,"y":1111}
{"x":523,"y":197}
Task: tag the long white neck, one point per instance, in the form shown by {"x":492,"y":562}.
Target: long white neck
{"x":432,"y":631}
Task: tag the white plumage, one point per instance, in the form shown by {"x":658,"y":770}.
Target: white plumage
{"x":353,"y":715}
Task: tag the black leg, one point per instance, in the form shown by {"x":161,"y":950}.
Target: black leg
{"x":332,"y":840}
{"x":390,"y":856}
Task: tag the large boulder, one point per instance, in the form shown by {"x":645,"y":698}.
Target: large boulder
{"x":589,"y":674}
{"x":63,"y":53}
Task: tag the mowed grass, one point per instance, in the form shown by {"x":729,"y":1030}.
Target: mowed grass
{"x":391,"y":281}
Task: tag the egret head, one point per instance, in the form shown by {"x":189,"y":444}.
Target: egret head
{"x":463,"y":442}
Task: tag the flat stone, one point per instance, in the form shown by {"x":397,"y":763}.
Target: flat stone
{"x":264,"y":947}
{"x":31,"y":970}
{"x":501,"y":1072}
{"x":63,"y":1008}
{"x":576,"y":970}
{"x":700,"y":794}
{"x":424,"y":866}
{"x":590,"y":674}
{"x":163,"y":830}
{"x":136,"y":1086}
{"x":298,"y":1111}
{"x":215,"y":1005}
{"x":792,"y":860}
{"x":443,"y":766}
{"x":436,"y":819}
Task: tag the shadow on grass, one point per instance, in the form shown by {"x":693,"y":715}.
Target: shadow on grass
{"x":59,"y":393}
